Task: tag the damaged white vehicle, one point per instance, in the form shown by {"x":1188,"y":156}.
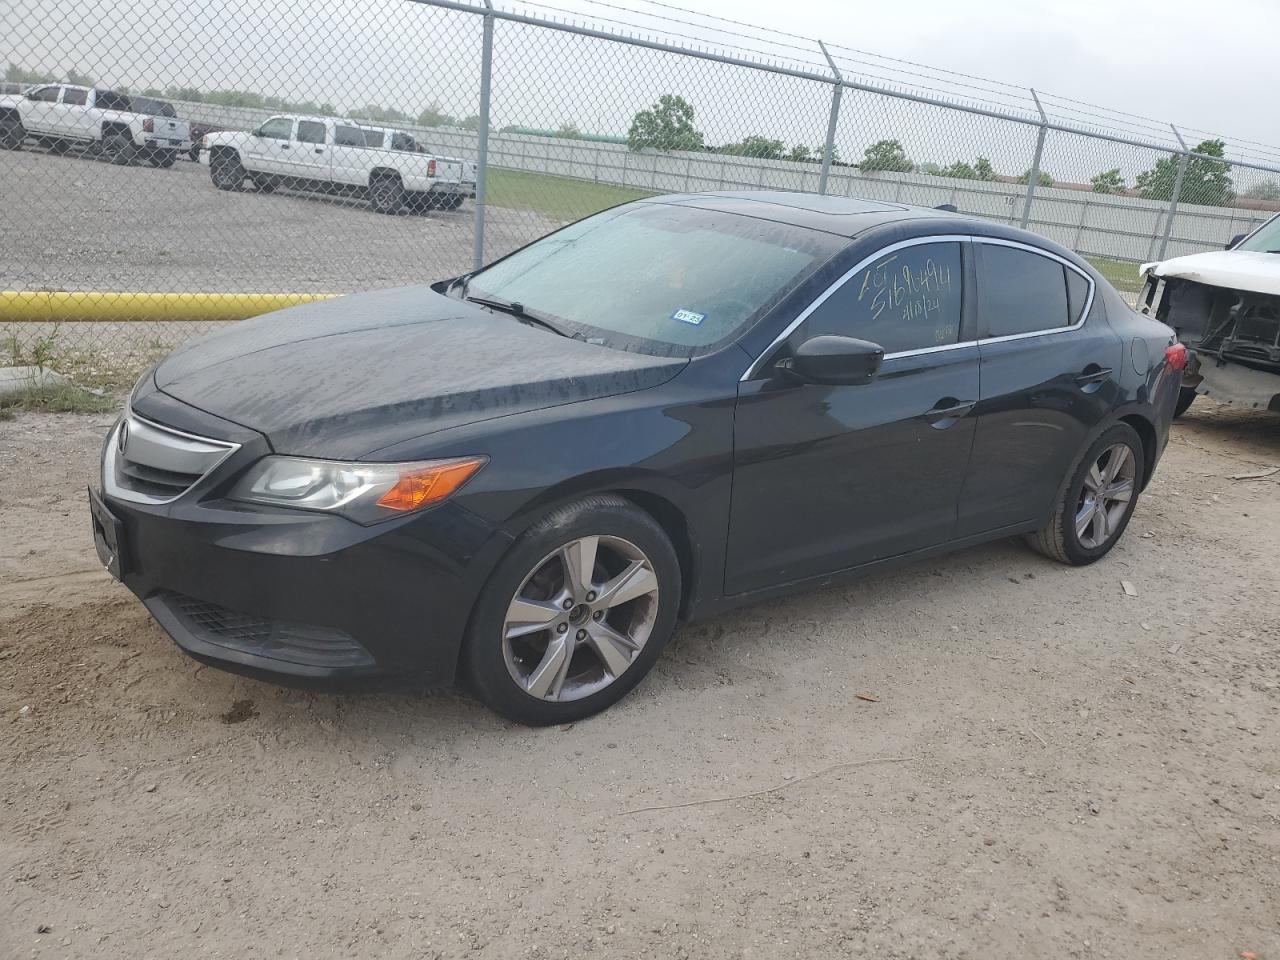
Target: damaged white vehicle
{"x":1225,"y":305}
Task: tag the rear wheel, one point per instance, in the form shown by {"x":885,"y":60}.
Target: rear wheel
{"x":386,"y":195}
{"x":225,"y":171}
{"x":1098,"y":501}
{"x":11,"y":136}
{"x":119,"y":148}
{"x":1186,"y":397}
{"x":576,"y":613}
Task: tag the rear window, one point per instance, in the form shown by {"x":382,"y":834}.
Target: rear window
{"x":154,"y":108}
{"x":667,"y":279}
{"x":373,"y":138}
{"x":402,"y":141}
{"x":110,"y":100}
{"x":349,"y":136}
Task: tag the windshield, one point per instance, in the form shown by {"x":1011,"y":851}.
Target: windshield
{"x":1266,"y":240}
{"x":658,"y":278}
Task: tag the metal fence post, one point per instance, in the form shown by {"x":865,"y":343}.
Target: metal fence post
{"x":482,"y":147}
{"x":1183,"y":160}
{"x":828,"y":150}
{"x":1033,"y":175}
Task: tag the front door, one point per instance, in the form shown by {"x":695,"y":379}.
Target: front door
{"x":831,"y":477}
{"x":270,"y":148}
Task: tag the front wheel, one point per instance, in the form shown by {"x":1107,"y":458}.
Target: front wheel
{"x":225,"y":171}
{"x":1098,"y":501}
{"x":576,"y":613}
{"x":12,"y":135}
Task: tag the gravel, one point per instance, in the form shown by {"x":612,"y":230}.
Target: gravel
{"x":1029,"y":772}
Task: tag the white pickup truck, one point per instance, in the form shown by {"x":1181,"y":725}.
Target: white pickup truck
{"x":329,"y":156}
{"x":61,"y":115}
{"x":389,"y":138}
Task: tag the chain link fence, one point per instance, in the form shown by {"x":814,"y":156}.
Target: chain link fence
{"x":173,"y":165}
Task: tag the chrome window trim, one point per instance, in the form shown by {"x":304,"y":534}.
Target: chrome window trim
{"x":1048,"y":255}
{"x":113,"y":489}
{"x":754,"y":368}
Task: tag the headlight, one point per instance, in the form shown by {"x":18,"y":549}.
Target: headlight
{"x":363,"y":492}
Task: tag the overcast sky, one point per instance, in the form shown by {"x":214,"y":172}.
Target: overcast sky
{"x":1170,"y":60}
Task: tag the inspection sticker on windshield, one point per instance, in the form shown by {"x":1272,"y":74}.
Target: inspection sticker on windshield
{"x":688,"y":316}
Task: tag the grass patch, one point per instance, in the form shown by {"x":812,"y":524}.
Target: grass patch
{"x":1122,"y":274}
{"x":558,"y":198}
{"x":56,"y":398}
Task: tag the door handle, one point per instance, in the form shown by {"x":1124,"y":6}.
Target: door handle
{"x":285,"y":146}
{"x":1092,"y":377}
{"x":947,"y":411}
{"x":319,"y":149}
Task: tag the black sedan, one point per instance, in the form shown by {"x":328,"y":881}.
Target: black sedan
{"x":526,"y":476}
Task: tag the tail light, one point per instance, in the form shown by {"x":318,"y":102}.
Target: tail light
{"x":431,"y":168}
{"x":1175,"y":356}
{"x":149,"y":125}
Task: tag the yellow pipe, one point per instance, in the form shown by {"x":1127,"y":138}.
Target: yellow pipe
{"x":32,"y":306}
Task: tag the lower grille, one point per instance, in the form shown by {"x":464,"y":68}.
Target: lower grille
{"x":277,"y":639}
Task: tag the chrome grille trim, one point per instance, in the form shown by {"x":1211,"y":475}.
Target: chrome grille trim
{"x":182,"y":459}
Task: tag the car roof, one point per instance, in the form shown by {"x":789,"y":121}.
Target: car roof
{"x":853,"y":216}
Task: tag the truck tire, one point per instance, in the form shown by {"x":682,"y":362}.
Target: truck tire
{"x":194,"y":153}
{"x":119,"y":148}
{"x":12,"y":135}
{"x":1186,"y":397}
{"x":225,"y":171}
{"x":162,"y":158}
{"x":386,"y":195}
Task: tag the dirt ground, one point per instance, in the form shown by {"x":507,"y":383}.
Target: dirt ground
{"x":986,"y":755}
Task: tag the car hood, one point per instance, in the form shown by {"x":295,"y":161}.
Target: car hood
{"x":346,"y":377}
{"x":1234,"y":269}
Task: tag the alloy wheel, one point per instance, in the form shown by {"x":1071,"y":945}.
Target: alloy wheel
{"x":1105,"y":495}
{"x":580,"y":618}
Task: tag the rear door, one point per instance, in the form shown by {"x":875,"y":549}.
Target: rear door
{"x":830,"y":477}
{"x":1050,"y":370}
{"x":351,"y":160}
{"x":270,"y":148}
{"x":309,"y":158}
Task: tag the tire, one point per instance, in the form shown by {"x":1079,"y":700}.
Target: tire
{"x":517,"y":666}
{"x":162,"y":158}
{"x":264,"y":184}
{"x":1062,"y":537}
{"x":386,"y":195}
{"x":11,"y":136}
{"x":120,"y":149}
{"x":194,"y":153}
{"x":1186,"y":397}
{"x":225,"y":171}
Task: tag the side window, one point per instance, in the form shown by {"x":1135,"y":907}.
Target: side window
{"x":110,"y":100}
{"x":1077,"y":294}
{"x":310,"y":131}
{"x":348,"y":136}
{"x":402,"y":141}
{"x":373,"y":138}
{"x":1020,"y":291}
{"x":44,"y":94}
{"x":277,"y":128}
{"x":908,"y":299}
{"x":74,"y":97}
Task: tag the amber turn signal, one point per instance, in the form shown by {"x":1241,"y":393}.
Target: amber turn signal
{"x":420,"y":488}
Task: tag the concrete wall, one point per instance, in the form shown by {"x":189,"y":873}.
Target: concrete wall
{"x":1124,"y":228}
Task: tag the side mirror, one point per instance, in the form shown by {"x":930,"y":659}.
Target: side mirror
{"x":836,"y":360}
{"x":256,"y":132}
{"x":1235,"y":240}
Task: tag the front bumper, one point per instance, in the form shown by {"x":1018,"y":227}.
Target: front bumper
{"x":303,"y":594}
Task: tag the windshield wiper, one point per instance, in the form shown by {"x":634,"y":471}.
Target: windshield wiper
{"x":518,"y":311}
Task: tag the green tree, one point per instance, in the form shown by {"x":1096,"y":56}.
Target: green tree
{"x":960,"y":170}
{"x":1206,"y":181}
{"x":1043,"y":180}
{"x":667,"y":125}
{"x":1266,"y":190}
{"x":1108,"y":181}
{"x":78,"y":79}
{"x":762,"y":148}
{"x":14,"y":73}
{"x":569,"y":131}
{"x":433,"y":116}
{"x":984,"y":170}
{"x":800,"y":152}
{"x":374,"y":113}
{"x":886,"y":155}
{"x":470,"y":123}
